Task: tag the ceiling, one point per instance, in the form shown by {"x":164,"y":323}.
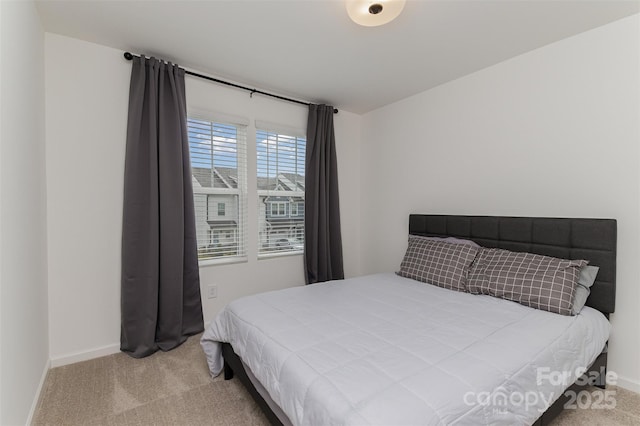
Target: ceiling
{"x":312,"y":51}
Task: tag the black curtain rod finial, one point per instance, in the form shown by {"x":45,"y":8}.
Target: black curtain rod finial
{"x":128,"y":56}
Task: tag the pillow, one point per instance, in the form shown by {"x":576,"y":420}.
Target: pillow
{"x":454,"y":240}
{"x":585,"y":281}
{"x":541,"y":282}
{"x":440,"y":263}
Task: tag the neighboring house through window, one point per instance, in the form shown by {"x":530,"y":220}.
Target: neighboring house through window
{"x":280,"y":181}
{"x":218,"y":168}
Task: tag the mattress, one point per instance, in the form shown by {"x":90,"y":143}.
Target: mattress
{"x":383,"y":349}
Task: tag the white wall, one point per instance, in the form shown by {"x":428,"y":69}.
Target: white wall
{"x":554,"y":132}
{"x":23,"y":262}
{"x":87,"y":89}
{"x":86,"y":115}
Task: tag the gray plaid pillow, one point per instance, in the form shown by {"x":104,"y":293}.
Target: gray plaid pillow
{"x":541,"y":282}
{"x":439,"y":263}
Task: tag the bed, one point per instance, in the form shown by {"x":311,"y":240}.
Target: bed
{"x":387,"y":349}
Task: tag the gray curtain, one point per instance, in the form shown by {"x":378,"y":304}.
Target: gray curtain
{"x":160,"y":299}
{"x":323,"y":238}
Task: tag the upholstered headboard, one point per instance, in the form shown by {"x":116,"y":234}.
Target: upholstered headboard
{"x":590,"y":239}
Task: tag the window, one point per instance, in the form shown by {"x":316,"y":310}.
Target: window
{"x":219,"y":175}
{"x":278,"y":209}
{"x":280,"y":180}
{"x":297,"y":209}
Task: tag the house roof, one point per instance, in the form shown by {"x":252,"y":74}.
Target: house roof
{"x":285,"y":181}
{"x":294,"y":182}
{"x":227,"y":177}
{"x":218,"y":177}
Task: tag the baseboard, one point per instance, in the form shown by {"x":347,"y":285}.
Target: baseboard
{"x":36,"y":397}
{"x":85,"y":356}
{"x":628,"y":384}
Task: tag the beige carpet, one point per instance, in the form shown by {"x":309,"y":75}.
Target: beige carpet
{"x":174,"y":388}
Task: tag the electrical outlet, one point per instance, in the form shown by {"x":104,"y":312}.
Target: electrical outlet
{"x":212,"y":291}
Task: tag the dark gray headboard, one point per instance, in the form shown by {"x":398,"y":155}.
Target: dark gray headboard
{"x":590,"y":239}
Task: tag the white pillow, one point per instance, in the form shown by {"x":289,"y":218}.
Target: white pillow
{"x":454,"y":240}
{"x":585,"y":281}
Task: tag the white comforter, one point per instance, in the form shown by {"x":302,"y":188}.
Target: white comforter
{"x":387,"y":350}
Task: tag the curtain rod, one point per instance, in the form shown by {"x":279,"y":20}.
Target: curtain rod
{"x":129,"y":56}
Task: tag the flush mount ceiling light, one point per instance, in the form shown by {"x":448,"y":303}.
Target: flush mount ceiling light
{"x":371,"y":13}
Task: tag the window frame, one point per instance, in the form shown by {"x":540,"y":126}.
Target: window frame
{"x":292,"y":196}
{"x":239,"y":234}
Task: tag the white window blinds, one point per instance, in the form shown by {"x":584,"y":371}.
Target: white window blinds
{"x":219,"y":177}
{"x":280,"y":181}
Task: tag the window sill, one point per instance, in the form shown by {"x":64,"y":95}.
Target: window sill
{"x":276,"y":255}
{"x":223,"y":261}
